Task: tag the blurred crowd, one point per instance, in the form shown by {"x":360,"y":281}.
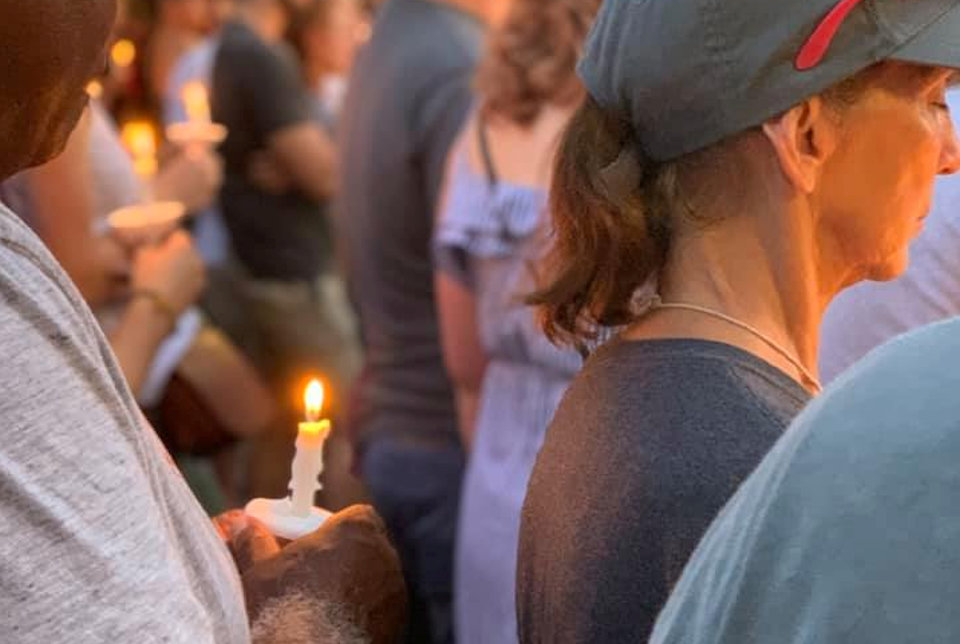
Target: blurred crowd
{"x":375,"y":193}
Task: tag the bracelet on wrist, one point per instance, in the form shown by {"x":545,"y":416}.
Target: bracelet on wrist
{"x":159,"y":302}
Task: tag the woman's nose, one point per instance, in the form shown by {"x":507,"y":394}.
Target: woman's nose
{"x":950,"y":152}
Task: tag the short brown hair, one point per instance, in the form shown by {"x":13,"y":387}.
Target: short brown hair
{"x":532,"y":58}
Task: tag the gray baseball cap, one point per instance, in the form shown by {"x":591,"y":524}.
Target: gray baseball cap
{"x":689,"y":73}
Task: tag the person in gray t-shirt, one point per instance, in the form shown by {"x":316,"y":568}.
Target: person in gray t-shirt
{"x":408,"y":98}
{"x":101,"y":538}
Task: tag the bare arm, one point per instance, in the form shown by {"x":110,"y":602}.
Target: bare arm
{"x":463,"y":353}
{"x":135,"y":340}
{"x":63,"y":213}
{"x":308,"y":158}
{"x":192,"y":177}
{"x":166,"y":280}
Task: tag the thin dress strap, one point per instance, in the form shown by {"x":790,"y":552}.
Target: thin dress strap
{"x":484,"y":143}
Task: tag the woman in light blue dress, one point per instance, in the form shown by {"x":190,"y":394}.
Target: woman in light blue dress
{"x":509,"y":377}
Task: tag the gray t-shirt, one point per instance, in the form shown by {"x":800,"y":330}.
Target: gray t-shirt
{"x":648,"y":444}
{"x":409,"y":96}
{"x":100,"y":538}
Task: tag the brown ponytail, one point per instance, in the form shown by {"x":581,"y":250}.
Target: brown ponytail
{"x":608,"y":239}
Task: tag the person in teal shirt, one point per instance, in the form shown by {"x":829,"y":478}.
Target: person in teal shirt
{"x":849,"y":531}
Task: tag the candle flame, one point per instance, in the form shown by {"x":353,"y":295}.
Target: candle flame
{"x":196,"y":102}
{"x":314,"y":400}
{"x":123,"y":53}
{"x":94,"y":89}
{"x":140,"y":139}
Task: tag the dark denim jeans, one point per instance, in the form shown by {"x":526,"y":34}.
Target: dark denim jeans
{"x":416,"y":489}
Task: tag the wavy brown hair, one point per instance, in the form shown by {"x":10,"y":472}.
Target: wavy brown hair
{"x":532,"y":58}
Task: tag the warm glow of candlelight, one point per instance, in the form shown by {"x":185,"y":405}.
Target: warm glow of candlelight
{"x":196,"y":102}
{"x":123,"y":53}
{"x":140,"y":139}
{"x":313,"y":398}
{"x":94,"y":89}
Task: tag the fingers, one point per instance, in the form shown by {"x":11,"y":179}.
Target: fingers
{"x":249,"y":541}
{"x":229,"y":524}
{"x":252,"y":545}
{"x":178,"y":240}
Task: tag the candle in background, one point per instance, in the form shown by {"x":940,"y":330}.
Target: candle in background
{"x":196,"y":102}
{"x":198,"y":133}
{"x":308,"y":462}
{"x":140,"y":139}
{"x":123,"y":53}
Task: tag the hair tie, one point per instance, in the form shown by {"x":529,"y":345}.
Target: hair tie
{"x":624,"y":175}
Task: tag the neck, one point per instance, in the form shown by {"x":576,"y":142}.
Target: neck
{"x":764,"y":270}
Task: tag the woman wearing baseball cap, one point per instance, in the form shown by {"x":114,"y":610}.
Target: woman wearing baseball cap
{"x":736,"y":165}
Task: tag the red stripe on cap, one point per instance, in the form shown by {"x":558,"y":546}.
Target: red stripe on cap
{"x":813,"y":51}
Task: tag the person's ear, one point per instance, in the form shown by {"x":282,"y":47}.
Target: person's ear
{"x":803,"y":138}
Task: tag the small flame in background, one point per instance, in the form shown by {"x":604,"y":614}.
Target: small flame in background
{"x":123,"y":53}
{"x":140,"y":139}
{"x":313,"y":398}
{"x":196,"y":102}
{"x":94,"y":89}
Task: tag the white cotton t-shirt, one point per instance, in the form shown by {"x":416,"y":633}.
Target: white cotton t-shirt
{"x":100,"y":538}
{"x":871,"y":313}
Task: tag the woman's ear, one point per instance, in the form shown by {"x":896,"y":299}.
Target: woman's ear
{"x":803,"y":138}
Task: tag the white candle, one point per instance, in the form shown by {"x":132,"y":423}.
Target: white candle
{"x":198,"y":134}
{"x":308,"y":461}
{"x":196,"y":103}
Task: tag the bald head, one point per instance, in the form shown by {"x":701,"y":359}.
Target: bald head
{"x":52,"y":48}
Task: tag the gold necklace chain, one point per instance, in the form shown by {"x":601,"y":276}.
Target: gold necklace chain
{"x":807,"y":376}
